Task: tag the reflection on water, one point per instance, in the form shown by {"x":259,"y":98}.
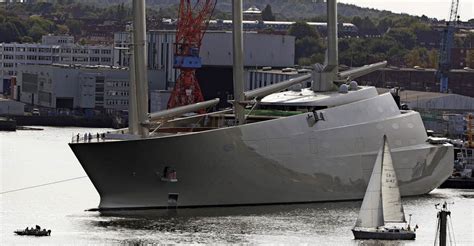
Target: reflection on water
{"x":29,"y":158}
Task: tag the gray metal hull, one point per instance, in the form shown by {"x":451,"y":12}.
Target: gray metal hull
{"x":287,"y":160}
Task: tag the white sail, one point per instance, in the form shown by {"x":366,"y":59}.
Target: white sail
{"x":392,"y":204}
{"x":371,"y":214}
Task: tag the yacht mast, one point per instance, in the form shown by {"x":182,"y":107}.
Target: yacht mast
{"x":132,"y":96}
{"x":238,"y":68}
{"x":139,"y":64}
{"x":323,"y":80}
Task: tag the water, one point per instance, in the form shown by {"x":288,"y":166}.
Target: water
{"x":29,"y":158}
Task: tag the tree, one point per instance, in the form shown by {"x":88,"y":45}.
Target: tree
{"x":267,"y":14}
{"x":302,"y":29}
{"x":417,"y":57}
{"x":403,"y":36}
{"x":8,"y":32}
{"x":74,"y":26}
{"x":36,"y":32}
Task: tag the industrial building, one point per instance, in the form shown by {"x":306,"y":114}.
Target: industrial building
{"x":11,"y":107}
{"x":461,"y":81}
{"x":52,"y":49}
{"x":257,"y":78}
{"x":215,"y":76}
{"x":441,"y":112}
{"x":71,"y":86}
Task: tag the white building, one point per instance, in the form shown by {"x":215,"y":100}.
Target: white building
{"x":10,"y":107}
{"x":267,"y":76}
{"x":52,"y":49}
{"x":71,"y":86}
{"x":216,"y":50}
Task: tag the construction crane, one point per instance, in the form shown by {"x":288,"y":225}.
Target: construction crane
{"x":444,"y":63}
{"x":192,"y":24}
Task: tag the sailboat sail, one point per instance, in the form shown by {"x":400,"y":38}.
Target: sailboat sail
{"x":392,"y":204}
{"x":371,"y":214}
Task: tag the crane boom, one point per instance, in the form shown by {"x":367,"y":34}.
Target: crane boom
{"x":444,"y":64}
{"x":192,"y":24}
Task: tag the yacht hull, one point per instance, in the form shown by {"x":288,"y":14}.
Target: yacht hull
{"x":384,"y":235}
{"x":287,"y":160}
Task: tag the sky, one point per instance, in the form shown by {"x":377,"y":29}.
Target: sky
{"x":432,"y":8}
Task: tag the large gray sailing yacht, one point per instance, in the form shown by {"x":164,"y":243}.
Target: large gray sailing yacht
{"x":307,"y":145}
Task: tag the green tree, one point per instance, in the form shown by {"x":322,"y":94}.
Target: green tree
{"x":417,"y":57}
{"x":36,"y":32}
{"x":302,"y":29}
{"x":403,"y":36}
{"x":267,"y":14}
{"x":8,"y":32}
{"x":74,"y":26}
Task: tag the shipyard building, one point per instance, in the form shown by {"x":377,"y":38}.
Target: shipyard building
{"x":51,"y":50}
{"x":75,"y":86}
{"x":215,"y":77}
{"x":105,"y":87}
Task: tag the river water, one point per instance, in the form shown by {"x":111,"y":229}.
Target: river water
{"x":31,"y":158}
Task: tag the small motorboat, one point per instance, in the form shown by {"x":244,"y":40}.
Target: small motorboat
{"x":33,"y":232}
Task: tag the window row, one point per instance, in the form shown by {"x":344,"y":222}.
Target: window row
{"x":117,"y":102}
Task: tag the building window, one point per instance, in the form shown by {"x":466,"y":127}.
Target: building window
{"x":44,"y":58}
{"x":46,"y":50}
{"x":8,"y":48}
{"x":20,"y":49}
{"x":106,"y":52}
{"x":95,"y":51}
{"x":30,"y":57}
{"x":20,"y":57}
{"x":79,"y":59}
{"x":8,"y":65}
{"x":8,"y":57}
{"x":105,"y":59}
{"x":66,"y":50}
{"x":95,"y":59}
{"x":31,"y":49}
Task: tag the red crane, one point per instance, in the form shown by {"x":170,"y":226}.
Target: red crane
{"x":192,"y":24}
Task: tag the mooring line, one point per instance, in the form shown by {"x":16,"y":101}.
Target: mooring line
{"x":36,"y":186}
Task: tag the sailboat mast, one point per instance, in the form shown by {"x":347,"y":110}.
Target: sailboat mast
{"x":333,"y":61}
{"x":133,"y":123}
{"x":139,"y":64}
{"x":238,"y":68}
{"x":323,"y":80}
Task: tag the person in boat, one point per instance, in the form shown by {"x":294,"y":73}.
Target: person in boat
{"x":38,"y":228}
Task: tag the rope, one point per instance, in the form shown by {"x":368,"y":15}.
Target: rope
{"x":40,"y":185}
{"x":452,"y":229}
{"x":437,"y":231}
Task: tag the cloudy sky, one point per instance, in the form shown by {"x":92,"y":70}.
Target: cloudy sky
{"x":432,"y":8}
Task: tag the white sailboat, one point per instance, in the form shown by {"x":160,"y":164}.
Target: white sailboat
{"x":382,"y":203}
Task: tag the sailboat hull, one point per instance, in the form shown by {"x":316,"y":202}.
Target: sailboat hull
{"x":393,"y":234}
{"x":286,"y":160}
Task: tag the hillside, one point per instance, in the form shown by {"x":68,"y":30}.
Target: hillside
{"x":284,"y":9}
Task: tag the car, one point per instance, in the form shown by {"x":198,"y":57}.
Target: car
{"x":35,"y":111}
